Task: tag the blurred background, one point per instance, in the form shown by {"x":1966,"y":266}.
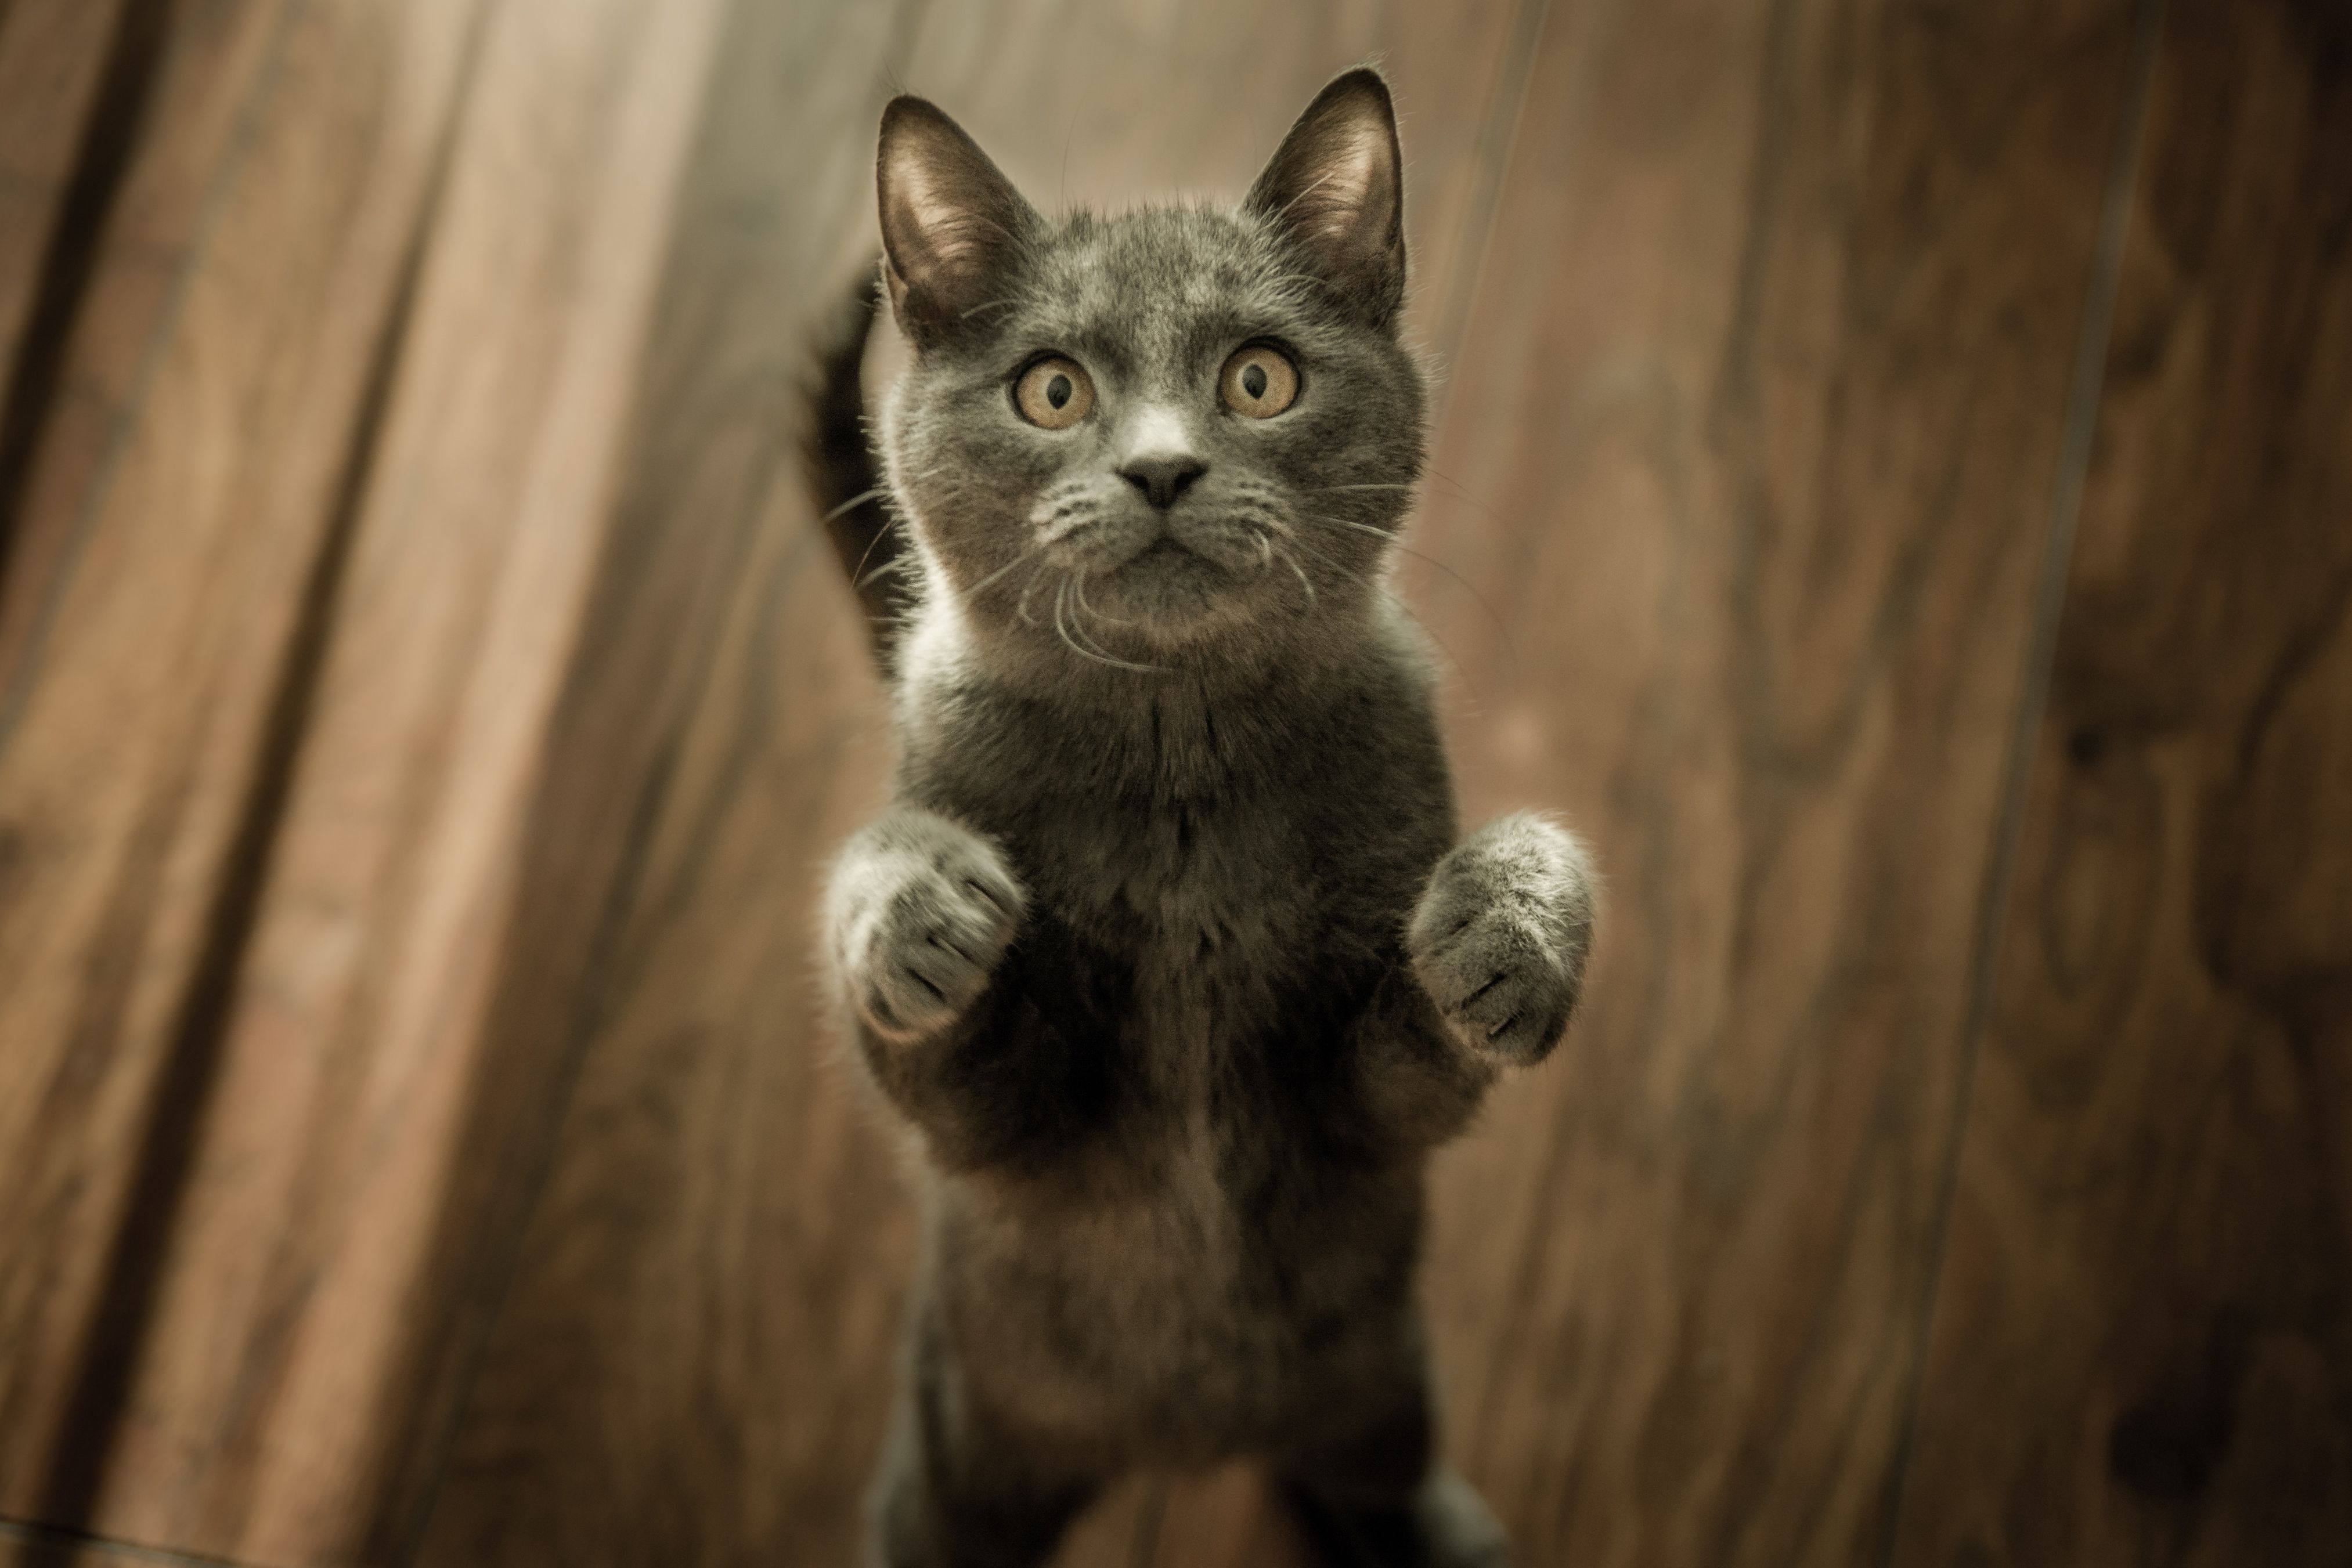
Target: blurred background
{"x":1892,"y":491}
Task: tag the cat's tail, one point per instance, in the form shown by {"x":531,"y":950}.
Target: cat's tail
{"x":844,"y":478}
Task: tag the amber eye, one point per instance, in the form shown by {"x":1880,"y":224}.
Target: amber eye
{"x":1259,"y":382}
{"x":1054,"y":393}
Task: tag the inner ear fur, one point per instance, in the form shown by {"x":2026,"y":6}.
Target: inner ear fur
{"x":952,"y":225}
{"x":1335,"y":188}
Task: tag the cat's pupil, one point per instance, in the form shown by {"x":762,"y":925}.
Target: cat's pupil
{"x":1057,"y":390}
{"x":1254,"y":380}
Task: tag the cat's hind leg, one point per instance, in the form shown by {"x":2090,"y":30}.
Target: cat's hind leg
{"x":956,"y":1490}
{"x":1441,"y":1523}
{"x":1374,"y":1495}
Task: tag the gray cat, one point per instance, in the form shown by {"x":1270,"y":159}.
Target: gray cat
{"x":1165,"y":947}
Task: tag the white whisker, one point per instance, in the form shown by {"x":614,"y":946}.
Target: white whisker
{"x":1468,"y":587}
{"x":857,"y":578}
{"x":992,"y":578}
{"x":1061,"y":627}
{"x":1377,"y":533}
{"x":1021,"y":607}
{"x":1301,"y":572}
{"x":1079,"y":585}
{"x":852,"y":504}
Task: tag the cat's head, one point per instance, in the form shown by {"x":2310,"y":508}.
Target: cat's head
{"x":1165,"y":437}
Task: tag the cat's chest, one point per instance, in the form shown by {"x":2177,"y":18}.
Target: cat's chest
{"x":1238,"y":889}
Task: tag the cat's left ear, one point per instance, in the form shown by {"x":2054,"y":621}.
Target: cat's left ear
{"x":952,"y":225}
{"x":1335,"y":189}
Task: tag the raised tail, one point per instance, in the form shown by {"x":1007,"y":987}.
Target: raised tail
{"x":844,"y":478}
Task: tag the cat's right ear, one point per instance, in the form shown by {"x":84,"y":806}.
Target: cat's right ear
{"x":952,"y":225}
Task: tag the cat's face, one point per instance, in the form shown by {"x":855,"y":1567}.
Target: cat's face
{"x":1167,"y":434}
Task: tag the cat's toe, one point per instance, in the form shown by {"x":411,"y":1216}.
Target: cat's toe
{"x":939,"y":944}
{"x":1497,"y":988}
{"x":1518,"y":1016}
{"x":1499,"y":938}
{"x":920,"y":949}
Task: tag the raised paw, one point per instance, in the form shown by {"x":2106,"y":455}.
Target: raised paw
{"x":919,"y":911}
{"x":1499,"y":938}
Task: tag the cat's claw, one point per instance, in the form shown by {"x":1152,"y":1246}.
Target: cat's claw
{"x":1499,"y":939}
{"x":920,"y":911}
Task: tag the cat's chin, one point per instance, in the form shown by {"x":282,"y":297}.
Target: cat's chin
{"x":1169,"y":596}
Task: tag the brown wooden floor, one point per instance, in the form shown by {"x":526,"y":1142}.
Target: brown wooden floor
{"x":1892,"y":491}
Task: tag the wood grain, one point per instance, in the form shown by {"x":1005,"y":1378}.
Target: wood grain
{"x":214,"y":1283}
{"x":303,"y":1327}
{"x":627,"y":1410}
{"x":425,"y":705}
{"x":2143,"y":1341}
{"x":53,"y":61}
{"x":696,"y":1355}
{"x":162,"y":558}
{"x":1745,"y":516}
{"x":154,"y":237}
{"x":74,"y":81}
{"x":22,"y":1548}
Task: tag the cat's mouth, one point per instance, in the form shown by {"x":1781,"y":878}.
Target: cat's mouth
{"x":1164,"y":547}
{"x":1163,"y":553}
{"x":1172,"y":593}
{"x":1220,"y":547}
{"x":1136,"y":586}
{"x":1151,"y":572}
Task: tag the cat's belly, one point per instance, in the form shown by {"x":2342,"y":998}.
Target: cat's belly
{"x":1151,"y":1306}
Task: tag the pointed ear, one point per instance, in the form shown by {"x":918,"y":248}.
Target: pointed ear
{"x":952,"y":225}
{"x":1335,"y":189}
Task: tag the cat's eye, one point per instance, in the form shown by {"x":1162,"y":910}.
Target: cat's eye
{"x":1054,"y":393}
{"x":1259,"y":382}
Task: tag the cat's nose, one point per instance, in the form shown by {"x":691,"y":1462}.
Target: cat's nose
{"x":1162,"y":476}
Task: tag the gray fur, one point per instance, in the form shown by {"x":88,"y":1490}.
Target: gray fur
{"x":1165,"y":947}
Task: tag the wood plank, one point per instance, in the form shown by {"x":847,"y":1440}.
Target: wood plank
{"x":74,"y":84}
{"x":180,"y":497}
{"x":622,"y":1401}
{"x":53,"y":69}
{"x":191,"y":151}
{"x":2142,"y":1341}
{"x":1764,"y":389}
{"x":23,"y":1548}
{"x":698,"y":1353}
{"x":331,"y":1248}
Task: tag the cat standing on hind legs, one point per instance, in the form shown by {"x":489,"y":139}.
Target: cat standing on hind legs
{"x":1166,"y":947}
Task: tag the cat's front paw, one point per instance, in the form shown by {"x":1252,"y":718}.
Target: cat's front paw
{"x":920,"y":911}
{"x":1499,"y":938}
